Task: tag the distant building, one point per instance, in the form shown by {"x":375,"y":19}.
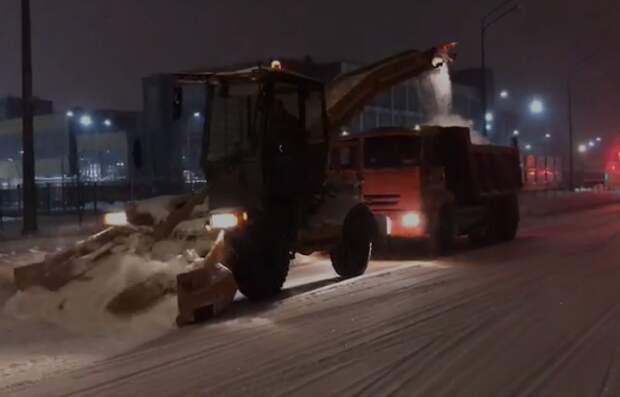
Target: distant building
{"x":103,"y":145}
{"x":11,"y":107}
{"x":471,"y":81}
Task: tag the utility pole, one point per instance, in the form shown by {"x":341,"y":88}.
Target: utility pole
{"x":28,"y":165}
{"x":571,"y":144}
{"x":483,"y":77}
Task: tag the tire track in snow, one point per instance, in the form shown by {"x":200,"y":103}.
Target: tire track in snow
{"x":543,"y":373}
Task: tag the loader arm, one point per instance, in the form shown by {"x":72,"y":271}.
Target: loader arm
{"x":350,"y":92}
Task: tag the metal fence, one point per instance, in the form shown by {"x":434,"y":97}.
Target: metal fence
{"x":80,"y":197}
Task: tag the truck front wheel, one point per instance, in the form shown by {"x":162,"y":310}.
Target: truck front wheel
{"x":259,"y":260}
{"x":351,"y":255}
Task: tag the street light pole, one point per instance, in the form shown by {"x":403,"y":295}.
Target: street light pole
{"x":569,"y":99}
{"x":483,"y":77}
{"x":491,"y":18}
{"x":571,"y":148}
{"x":28,"y":174}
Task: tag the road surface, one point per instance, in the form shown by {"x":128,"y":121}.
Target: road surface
{"x":538,"y":316}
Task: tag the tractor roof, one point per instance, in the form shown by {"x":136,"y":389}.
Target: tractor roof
{"x":257,"y":73}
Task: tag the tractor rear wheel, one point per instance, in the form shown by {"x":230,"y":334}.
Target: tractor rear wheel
{"x":351,"y":255}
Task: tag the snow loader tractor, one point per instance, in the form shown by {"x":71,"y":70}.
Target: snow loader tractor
{"x":266,"y":138}
{"x":264,"y":156}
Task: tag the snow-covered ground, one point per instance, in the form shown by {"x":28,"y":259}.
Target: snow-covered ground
{"x":447,"y":308}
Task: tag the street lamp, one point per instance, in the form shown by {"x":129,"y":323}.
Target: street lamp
{"x":503,"y":94}
{"x":70,"y":113}
{"x":547,"y":136}
{"x":528,"y":147}
{"x":197,"y":115}
{"x":591,"y":143}
{"x":86,"y":120}
{"x":489,"y":117}
{"x":515,"y":133}
{"x":537,"y":106}
{"x":598,"y":139}
{"x":489,"y":19}
{"x":107,"y":122}
{"x":582,"y":148}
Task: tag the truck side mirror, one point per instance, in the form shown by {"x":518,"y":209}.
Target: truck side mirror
{"x":177,"y":103}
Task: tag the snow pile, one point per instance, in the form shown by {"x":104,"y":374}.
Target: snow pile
{"x":158,"y":207}
{"x":80,"y":306}
{"x":455,"y":120}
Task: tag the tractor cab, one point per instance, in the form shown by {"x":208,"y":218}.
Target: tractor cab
{"x":264,"y":138}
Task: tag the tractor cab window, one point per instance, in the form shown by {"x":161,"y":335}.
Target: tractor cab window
{"x":285,"y":125}
{"x":314,"y":117}
{"x":231,"y":117}
{"x":296,"y":115}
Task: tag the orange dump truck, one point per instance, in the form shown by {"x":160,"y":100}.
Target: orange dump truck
{"x":433,"y":183}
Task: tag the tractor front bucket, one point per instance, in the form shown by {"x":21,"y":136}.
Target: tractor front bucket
{"x":207,"y":290}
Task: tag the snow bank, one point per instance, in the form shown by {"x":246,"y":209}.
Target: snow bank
{"x":80,"y":306}
{"x":557,"y":202}
{"x":158,"y":207}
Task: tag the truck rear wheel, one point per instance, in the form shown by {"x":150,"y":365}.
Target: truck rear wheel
{"x":260,"y":262}
{"x":442,"y":233}
{"x":351,"y":255}
{"x":501,"y":222}
{"x":509,"y":217}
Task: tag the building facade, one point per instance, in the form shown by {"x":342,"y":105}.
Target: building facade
{"x":11,"y":107}
{"x":101,"y":151}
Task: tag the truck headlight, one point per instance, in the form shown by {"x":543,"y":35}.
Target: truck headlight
{"x":115,"y":219}
{"x":411,"y":219}
{"x":227,"y":220}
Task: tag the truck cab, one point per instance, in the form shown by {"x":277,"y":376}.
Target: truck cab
{"x":432,"y":183}
{"x":397,"y":177}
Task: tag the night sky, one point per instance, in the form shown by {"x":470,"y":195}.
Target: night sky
{"x":93,"y":53}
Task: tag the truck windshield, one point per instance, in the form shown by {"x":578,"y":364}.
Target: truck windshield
{"x":391,"y":151}
{"x":232,"y":120}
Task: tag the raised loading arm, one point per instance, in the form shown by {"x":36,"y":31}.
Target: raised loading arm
{"x":350,"y":92}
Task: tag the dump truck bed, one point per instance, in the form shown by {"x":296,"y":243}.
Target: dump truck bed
{"x":474,"y":172}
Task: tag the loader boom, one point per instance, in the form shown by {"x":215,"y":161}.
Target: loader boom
{"x":350,"y":92}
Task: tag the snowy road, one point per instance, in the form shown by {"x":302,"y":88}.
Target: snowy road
{"x":539,"y":316}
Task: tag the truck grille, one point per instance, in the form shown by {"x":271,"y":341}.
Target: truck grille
{"x":382,"y":200}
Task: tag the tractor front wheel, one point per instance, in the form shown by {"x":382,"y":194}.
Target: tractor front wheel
{"x":259,"y":260}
